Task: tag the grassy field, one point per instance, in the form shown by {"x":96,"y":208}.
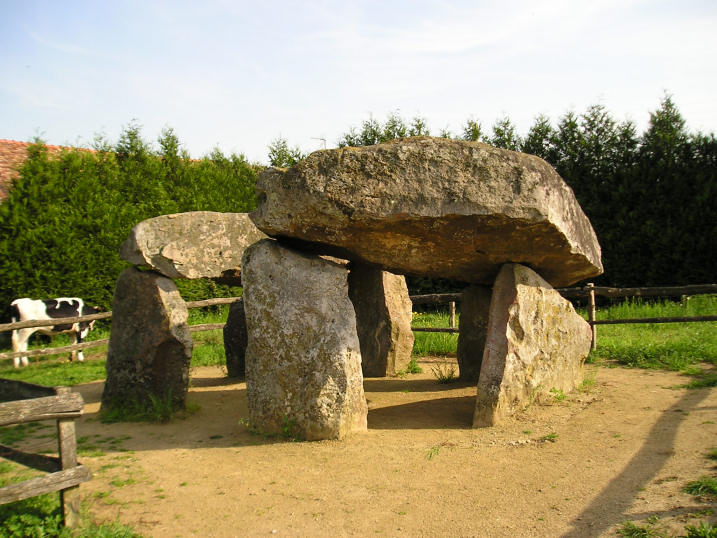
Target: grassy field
{"x":687,"y":347}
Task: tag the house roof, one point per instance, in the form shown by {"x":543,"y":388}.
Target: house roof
{"x":12,"y":155}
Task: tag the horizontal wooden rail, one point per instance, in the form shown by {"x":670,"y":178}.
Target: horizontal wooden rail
{"x":206,"y":327}
{"x":60,"y":406}
{"x":60,"y":480}
{"x":434,"y":329}
{"x":51,"y":322}
{"x":653,"y":320}
{"x":49,"y":464}
{"x":435,"y":298}
{"x":664,"y":291}
{"x":55,"y":350}
{"x":212,"y":302}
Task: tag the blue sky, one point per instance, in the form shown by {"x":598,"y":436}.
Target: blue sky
{"x":236,"y":75}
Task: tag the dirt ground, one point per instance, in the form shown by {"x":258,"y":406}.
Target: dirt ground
{"x":622,"y":450}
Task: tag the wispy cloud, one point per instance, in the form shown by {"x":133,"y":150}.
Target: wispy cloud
{"x":67,"y":48}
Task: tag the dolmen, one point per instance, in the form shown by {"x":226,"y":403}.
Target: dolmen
{"x":325,"y":301}
{"x":421,"y":206}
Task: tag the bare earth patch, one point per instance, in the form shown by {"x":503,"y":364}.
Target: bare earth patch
{"x":574,"y":467}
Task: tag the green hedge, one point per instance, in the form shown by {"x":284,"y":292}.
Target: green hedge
{"x":66,"y":216}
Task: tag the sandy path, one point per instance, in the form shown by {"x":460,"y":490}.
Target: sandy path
{"x":623,"y":451}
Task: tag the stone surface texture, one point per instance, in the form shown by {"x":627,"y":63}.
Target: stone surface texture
{"x":433,"y":207}
{"x":198,"y":244}
{"x":536,"y":343}
{"x":303,"y":359}
{"x":383,"y":318}
{"x":235,"y":339}
{"x":473,"y":328}
{"x":150,"y":345}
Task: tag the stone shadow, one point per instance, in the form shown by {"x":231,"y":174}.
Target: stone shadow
{"x":620,"y":493}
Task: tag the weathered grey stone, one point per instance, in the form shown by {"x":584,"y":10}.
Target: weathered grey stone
{"x":434,"y":207}
{"x":235,"y":339}
{"x":383,"y":319}
{"x":536,"y":342}
{"x":199,"y":244}
{"x":303,"y":359}
{"x":472,"y":331}
{"x":150,"y":345}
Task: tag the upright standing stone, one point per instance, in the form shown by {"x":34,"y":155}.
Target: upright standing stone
{"x":472,"y":331}
{"x":303,"y":360}
{"x":150,"y":345}
{"x":235,"y":339}
{"x":383,"y":318}
{"x":536,"y":342}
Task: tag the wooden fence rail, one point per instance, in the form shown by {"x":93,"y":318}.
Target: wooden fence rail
{"x":589,"y":291}
{"x":65,"y":473}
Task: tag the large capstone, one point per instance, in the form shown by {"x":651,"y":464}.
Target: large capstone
{"x":536,"y":344}
{"x":383,"y":317}
{"x":303,"y":359}
{"x":472,"y":331}
{"x":235,"y":339}
{"x":433,"y":207}
{"x":199,"y":244}
{"x":150,"y":345}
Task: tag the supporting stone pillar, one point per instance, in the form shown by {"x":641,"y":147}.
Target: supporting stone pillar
{"x":383,"y":318}
{"x":472,"y":330}
{"x":235,"y":339}
{"x":536,"y":342}
{"x":303,"y":360}
{"x":150,"y":345}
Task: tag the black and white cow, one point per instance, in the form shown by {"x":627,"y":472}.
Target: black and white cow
{"x":63,"y":307}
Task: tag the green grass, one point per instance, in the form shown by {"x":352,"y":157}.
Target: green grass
{"x":433,"y":344}
{"x":665,"y":346}
{"x":41,"y":516}
{"x":705,"y":486}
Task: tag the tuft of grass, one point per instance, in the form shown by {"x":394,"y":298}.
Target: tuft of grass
{"x":154,"y":409}
{"x":445,"y":373}
{"x":558,"y":394}
{"x":705,"y":486}
{"x":411,"y":368}
{"x":433,"y":452}
{"x":712,"y":454}
{"x":552,"y":437}
{"x":703,"y":530}
{"x":649,"y":530}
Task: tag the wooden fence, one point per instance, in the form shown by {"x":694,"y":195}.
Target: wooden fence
{"x":93,"y":317}
{"x":29,"y":403}
{"x":589,"y":292}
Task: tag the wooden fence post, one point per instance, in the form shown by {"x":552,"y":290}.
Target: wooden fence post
{"x":452,"y":310}
{"x":67,"y":448}
{"x":591,"y":316}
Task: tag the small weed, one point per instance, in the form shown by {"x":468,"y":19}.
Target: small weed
{"x":116,"y":482}
{"x":290,"y":429}
{"x":433,"y":452}
{"x":183,"y":484}
{"x":705,"y":486}
{"x":558,"y":394}
{"x":153,"y":409}
{"x":411,"y":368}
{"x":527,"y":432}
{"x":445,"y":373}
{"x":650,"y":530}
{"x":703,"y":530}
{"x":552,"y":437}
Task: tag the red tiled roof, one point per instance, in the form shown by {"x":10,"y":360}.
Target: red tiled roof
{"x":12,"y":155}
